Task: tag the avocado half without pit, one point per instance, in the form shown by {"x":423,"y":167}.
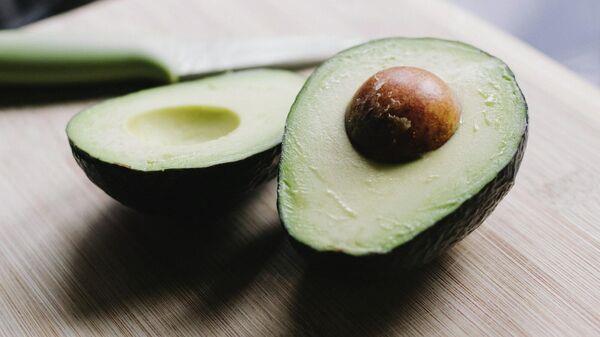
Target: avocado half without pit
{"x":186,"y":148}
{"x":396,"y":149}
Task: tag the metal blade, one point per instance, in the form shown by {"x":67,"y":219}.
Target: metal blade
{"x":190,"y":60}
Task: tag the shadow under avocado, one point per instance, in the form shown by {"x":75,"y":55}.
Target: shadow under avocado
{"x":128,"y":258}
{"x":325,"y":306}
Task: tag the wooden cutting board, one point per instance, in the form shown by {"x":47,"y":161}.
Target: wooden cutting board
{"x":75,"y":262}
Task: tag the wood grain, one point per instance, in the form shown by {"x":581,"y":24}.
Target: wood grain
{"x":74,"y":262}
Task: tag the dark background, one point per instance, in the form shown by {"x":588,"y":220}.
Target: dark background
{"x":16,"y":13}
{"x":566,"y":30}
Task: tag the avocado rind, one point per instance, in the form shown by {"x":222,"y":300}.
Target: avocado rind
{"x":433,"y":241}
{"x":199,"y":191}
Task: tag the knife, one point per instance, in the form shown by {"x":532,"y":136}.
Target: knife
{"x":30,"y":58}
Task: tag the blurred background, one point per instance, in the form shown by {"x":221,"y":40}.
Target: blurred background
{"x":566,"y":30}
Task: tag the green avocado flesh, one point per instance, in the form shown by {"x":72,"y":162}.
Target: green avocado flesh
{"x":196,"y":124}
{"x":332,"y":199}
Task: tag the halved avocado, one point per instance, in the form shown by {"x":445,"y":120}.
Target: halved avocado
{"x":341,"y":207}
{"x":188,"y":147}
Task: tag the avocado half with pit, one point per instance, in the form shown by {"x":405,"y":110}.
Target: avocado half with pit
{"x":189,"y":147}
{"x":364,"y":179}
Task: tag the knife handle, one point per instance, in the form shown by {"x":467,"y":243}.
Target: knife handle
{"x":29,"y":59}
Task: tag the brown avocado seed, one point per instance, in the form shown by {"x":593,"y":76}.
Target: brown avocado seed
{"x":400,"y":113}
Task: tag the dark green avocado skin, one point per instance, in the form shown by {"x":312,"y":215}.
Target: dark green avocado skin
{"x":430,"y":243}
{"x":194,"y":191}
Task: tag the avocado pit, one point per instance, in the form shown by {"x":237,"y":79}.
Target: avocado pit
{"x":400,"y":113}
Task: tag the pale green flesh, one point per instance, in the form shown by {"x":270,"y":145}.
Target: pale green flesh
{"x":189,"y":125}
{"x":333,"y":199}
{"x":183,"y":125}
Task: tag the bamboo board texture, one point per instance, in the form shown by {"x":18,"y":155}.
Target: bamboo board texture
{"x":74,"y":262}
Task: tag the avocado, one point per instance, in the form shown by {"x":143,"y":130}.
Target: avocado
{"x":367,"y":179}
{"x":192,"y":147}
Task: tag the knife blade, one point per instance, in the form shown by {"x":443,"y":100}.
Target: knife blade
{"x":28,"y":58}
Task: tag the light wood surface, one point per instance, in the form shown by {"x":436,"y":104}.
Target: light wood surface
{"x":74,"y":262}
